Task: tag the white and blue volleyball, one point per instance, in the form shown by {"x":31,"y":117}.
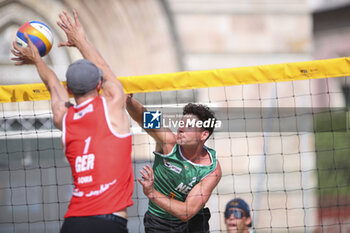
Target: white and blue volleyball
{"x":39,"y":33}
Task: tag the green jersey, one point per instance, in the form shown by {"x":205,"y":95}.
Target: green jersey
{"x":175,"y":176}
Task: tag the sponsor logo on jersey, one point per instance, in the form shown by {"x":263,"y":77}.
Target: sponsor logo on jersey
{"x":172,"y":167}
{"x":103,"y":188}
{"x":83,"y":112}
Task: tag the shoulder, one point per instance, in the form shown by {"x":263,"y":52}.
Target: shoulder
{"x":213,"y":171}
{"x":114,"y":95}
{"x":218,"y":169}
{"x":210,"y":150}
{"x":213,"y":156}
{"x":116,"y":110}
{"x":169,"y":150}
{"x":213,"y":178}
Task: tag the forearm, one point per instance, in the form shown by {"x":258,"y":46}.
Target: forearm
{"x":57,"y":91}
{"x":46,"y":73}
{"x":110,"y":83}
{"x":164,"y":136}
{"x":195,"y":199}
{"x":59,"y":95}
{"x":88,"y":51}
{"x":182,"y":210}
{"x":135,"y":110}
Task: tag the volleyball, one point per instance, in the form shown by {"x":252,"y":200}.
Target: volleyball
{"x":39,"y":33}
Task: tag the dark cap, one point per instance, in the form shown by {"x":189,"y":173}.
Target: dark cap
{"x":82,"y":76}
{"x":238,"y":203}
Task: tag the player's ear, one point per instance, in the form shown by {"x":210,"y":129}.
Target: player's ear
{"x":98,"y":87}
{"x":204,"y":135}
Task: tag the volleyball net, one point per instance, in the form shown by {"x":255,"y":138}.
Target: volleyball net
{"x":283,"y":146}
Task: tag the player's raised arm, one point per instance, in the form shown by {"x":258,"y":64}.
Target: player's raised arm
{"x":59,"y":95}
{"x":164,"y":137}
{"x":76,"y":37}
{"x":112,"y":89}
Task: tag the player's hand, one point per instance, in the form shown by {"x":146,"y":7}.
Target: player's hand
{"x":147,"y":180}
{"x":27,"y":55}
{"x":74,"y":30}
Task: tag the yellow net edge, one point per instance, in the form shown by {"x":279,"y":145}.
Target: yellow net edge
{"x":329,"y":68}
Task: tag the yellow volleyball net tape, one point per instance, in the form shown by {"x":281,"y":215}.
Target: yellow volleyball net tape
{"x":330,"y":68}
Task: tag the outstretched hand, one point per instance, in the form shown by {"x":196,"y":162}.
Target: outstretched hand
{"x":74,"y":30}
{"x":27,"y":55}
{"x":147,"y":180}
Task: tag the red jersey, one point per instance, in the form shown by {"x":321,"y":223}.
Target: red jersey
{"x":100,"y":161}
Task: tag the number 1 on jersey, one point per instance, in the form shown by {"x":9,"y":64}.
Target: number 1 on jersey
{"x":87,"y":144}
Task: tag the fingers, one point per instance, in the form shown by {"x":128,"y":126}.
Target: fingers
{"x":64,"y":21}
{"x":76,"y":17}
{"x":17,"y":61}
{"x":26,"y":36}
{"x":14,"y":52}
{"x":147,"y":173}
{"x":63,"y":44}
{"x":144,"y":175}
{"x":62,"y":26}
{"x":140,"y":181}
{"x":27,"y":55}
{"x":16,"y":46}
{"x":17,"y":49}
{"x":70,"y":22}
{"x":147,"y":180}
{"x":70,"y":27}
{"x":149,"y":170}
{"x":29,"y":42}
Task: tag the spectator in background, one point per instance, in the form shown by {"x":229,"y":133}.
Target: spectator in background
{"x":237,"y":216}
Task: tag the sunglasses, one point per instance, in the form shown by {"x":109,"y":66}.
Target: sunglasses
{"x":238,"y":214}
